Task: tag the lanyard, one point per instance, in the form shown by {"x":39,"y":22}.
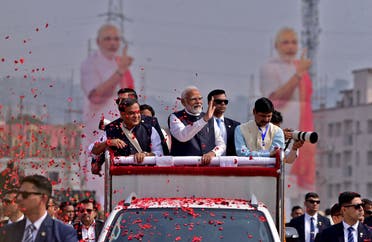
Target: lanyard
{"x":263,"y":134}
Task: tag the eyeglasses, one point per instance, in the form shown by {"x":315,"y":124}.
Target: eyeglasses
{"x":25,"y":194}
{"x":220,"y":101}
{"x":356,"y":206}
{"x":7,"y":201}
{"x":313,"y":201}
{"x":83,"y":210}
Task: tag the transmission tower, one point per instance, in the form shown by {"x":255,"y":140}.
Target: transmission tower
{"x":115,"y":15}
{"x":310,"y":33}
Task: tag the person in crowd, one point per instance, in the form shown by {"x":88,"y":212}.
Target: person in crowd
{"x":226,"y":125}
{"x":350,"y":229}
{"x":296,"y":211}
{"x":67,"y":214}
{"x":131,"y":136}
{"x":291,"y":147}
{"x":192,"y":131}
{"x":148,"y":111}
{"x":285,"y":80}
{"x":336,"y":214}
{"x":53,"y":208}
{"x":367,"y":207}
{"x":32,"y":198}
{"x":10,"y":176}
{"x":259,"y":137}
{"x":310,"y":223}
{"x":10,"y":208}
{"x":89,"y":227}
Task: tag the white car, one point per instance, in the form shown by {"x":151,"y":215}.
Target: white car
{"x":189,"y":219}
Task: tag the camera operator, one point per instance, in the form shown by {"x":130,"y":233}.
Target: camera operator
{"x":291,"y":145}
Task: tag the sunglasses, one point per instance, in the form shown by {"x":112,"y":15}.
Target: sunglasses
{"x":8,"y":201}
{"x":313,"y":201}
{"x":220,"y":101}
{"x":83,"y":210}
{"x":355,"y":206}
{"x":25,"y":194}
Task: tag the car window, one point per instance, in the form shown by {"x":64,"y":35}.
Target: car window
{"x":187,"y":224}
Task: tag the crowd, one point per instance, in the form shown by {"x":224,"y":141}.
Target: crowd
{"x":30,"y":213}
{"x":349,"y":220}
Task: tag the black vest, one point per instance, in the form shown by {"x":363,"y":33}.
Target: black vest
{"x":201,"y":143}
{"x":142,"y":132}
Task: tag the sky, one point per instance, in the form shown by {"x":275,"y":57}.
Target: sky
{"x":210,"y":44}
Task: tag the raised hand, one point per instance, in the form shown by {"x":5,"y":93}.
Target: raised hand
{"x":211,"y":107}
{"x":304,"y":63}
{"x":124,"y":61}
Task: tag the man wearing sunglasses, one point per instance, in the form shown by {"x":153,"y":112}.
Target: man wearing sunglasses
{"x":32,"y":198}
{"x":89,"y":227}
{"x":350,"y":229}
{"x":10,"y":208}
{"x":310,"y":223}
{"x":192,"y":131}
{"x":227,"y":126}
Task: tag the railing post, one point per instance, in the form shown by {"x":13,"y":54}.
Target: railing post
{"x":107,"y":184}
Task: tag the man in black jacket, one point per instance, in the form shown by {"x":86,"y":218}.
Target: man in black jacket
{"x":89,"y":227}
{"x":227,"y":126}
{"x":128,"y":135}
{"x":192,"y":131}
{"x":38,"y":226}
{"x":350,"y":229}
{"x":311,"y":223}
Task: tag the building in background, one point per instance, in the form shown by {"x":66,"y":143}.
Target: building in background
{"x":39,"y":148}
{"x":344,"y":157}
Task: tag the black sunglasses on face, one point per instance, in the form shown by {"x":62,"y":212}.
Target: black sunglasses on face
{"x":313,"y":201}
{"x":355,"y":206}
{"x":220,"y":101}
{"x":82,"y":210}
{"x":25,"y":194}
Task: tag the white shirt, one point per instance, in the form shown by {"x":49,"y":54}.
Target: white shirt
{"x":20,"y":218}
{"x":184,"y":133}
{"x":355,"y":231}
{"x":222,"y":129}
{"x":88,"y":235}
{"x":37,"y":225}
{"x":307,"y":226}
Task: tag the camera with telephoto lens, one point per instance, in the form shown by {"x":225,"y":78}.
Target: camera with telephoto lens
{"x":309,"y":136}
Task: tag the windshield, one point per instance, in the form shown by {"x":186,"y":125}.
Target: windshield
{"x":187,"y":224}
